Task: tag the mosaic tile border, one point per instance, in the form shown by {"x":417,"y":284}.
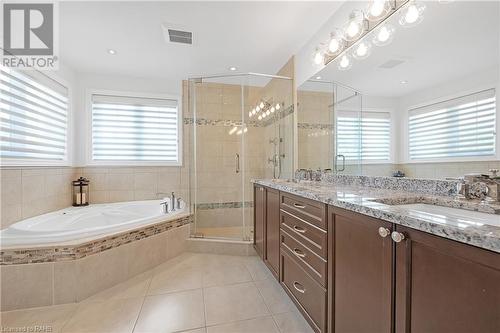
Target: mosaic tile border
{"x":219,"y":205}
{"x":67,"y":253}
{"x":315,"y":126}
{"x":230,"y":123}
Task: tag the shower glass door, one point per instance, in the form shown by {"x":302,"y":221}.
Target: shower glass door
{"x":242,"y":130}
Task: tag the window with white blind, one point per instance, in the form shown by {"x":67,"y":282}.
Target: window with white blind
{"x":132,"y":130}
{"x":458,"y":128}
{"x":367,"y":137}
{"x":33,"y":119}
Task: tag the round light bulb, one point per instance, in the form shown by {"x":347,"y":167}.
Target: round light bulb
{"x":272,"y":109}
{"x":268,"y":112}
{"x":257,"y":108}
{"x":345,"y":62}
{"x":383,"y":35}
{"x":259,"y":117}
{"x":377,"y":9}
{"x":253,"y":111}
{"x":362,"y":50}
{"x":261,"y":105}
{"x":412,"y":14}
{"x":354,"y":28}
{"x":264,"y":115}
{"x":278,"y":106}
{"x":318,"y":58}
{"x":250,"y":114}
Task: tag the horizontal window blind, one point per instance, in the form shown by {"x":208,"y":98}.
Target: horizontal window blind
{"x":33,"y":117}
{"x":367,"y":137}
{"x":134,"y":129}
{"x":461,"y":127}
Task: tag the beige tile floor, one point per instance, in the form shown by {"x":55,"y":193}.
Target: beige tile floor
{"x":196,"y":293}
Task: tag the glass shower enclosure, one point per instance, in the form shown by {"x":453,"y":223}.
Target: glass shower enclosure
{"x":242,"y":129}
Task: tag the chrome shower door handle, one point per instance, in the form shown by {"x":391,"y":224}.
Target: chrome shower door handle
{"x":343,"y":163}
{"x":237,"y":163}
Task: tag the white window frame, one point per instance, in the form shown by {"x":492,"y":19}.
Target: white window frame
{"x":484,"y":158}
{"x":180,"y":120}
{"x":68,"y":158}
{"x":392,"y":136}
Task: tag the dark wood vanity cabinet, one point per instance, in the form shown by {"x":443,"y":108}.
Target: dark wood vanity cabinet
{"x":266,"y":226}
{"x":272,"y":231}
{"x":360,"y":273}
{"x":259,"y":199}
{"x":349,"y":272}
{"x":445,"y":286}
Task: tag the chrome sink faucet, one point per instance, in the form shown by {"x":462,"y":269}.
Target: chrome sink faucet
{"x":480,"y":186}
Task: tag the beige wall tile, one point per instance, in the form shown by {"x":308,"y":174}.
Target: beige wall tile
{"x":65,"y":282}
{"x":177,"y":241}
{"x":25,"y":286}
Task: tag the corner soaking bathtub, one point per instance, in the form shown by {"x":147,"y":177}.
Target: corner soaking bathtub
{"x":75,"y":224}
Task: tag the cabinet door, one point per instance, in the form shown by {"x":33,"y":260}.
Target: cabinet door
{"x":445,"y":286}
{"x":272,"y":233}
{"x":259,"y":219}
{"x":360,"y":273}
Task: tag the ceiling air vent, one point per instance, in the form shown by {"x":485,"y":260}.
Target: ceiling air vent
{"x":179,"y":36}
{"x":391,"y":63}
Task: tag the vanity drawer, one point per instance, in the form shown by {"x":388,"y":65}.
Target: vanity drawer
{"x":312,"y":211}
{"x":310,"y":235}
{"x":310,"y":295}
{"x":308,"y":260}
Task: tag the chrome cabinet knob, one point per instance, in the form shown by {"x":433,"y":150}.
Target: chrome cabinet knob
{"x":383,"y":232}
{"x":397,"y":236}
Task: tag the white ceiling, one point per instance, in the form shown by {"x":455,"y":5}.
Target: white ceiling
{"x":253,"y":36}
{"x":454,"y":40}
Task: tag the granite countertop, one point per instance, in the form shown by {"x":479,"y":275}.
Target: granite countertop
{"x":383,"y":204}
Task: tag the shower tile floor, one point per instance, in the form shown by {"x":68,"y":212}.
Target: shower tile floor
{"x":196,"y":293}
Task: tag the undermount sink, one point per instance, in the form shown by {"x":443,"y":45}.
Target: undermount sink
{"x":441,"y":214}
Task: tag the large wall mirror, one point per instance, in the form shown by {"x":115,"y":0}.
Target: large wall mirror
{"x":420,"y":100}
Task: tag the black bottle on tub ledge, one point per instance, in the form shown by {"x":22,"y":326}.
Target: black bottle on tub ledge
{"x":81,"y":192}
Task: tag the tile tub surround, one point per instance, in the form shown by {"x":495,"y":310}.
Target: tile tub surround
{"x":59,"y":282}
{"x":28,"y":192}
{"x":368,"y":201}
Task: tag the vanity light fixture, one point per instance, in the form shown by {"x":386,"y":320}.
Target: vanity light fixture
{"x":355,"y":26}
{"x":362,"y":50}
{"x":360,"y":24}
{"x":345,"y":62}
{"x":111,"y":51}
{"x":383,"y":35}
{"x":378,"y":9}
{"x":412,"y":14}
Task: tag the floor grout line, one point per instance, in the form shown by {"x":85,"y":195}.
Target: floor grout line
{"x":142,"y":304}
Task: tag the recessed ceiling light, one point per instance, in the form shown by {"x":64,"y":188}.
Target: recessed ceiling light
{"x":318,"y":77}
{"x":404,"y":82}
{"x":111,"y":51}
{"x":232,"y":68}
